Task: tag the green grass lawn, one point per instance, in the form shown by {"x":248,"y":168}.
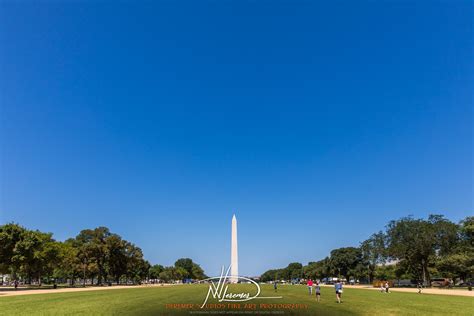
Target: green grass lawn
{"x":153,"y":300}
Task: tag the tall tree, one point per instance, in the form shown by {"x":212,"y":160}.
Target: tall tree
{"x":10,"y":235}
{"x":137,"y":267}
{"x":193,"y":270}
{"x":93,"y":251}
{"x":294,"y":271}
{"x":458,"y":261}
{"x":446,"y":234}
{"x":467,"y":233}
{"x":116,"y":256}
{"x":374,"y":253}
{"x":187,"y":265}
{"x":419,"y":242}
{"x":70,"y":264}
{"x":344,"y":261}
{"x":35,"y":254}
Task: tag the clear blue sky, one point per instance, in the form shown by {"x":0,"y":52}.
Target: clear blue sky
{"x":161,"y":120}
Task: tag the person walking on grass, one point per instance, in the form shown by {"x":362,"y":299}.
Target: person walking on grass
{"x":387,"y":287}
{"x":310,"y":287}
{"x":338,"y":287}
{"x":317,"y":291}
{"x":420,"y":287}
{"x":275,"y":285}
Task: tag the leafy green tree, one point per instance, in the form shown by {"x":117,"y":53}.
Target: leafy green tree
{"x":294,"y":271}
{"x":317,"y":270}
{"x":35,"y":254}
{"x":385,"y":272}
{"x":154,"y":272}
{"x":116,"y":257}
{"x":197,"y":272}
{"x":373,"y":253}
{"x":10,"y":235}
{"x":458,"y":261}
{"x":187,"y":265}
{"x":137,"y":267}
{"x":93,"y":251}
{"x":456,"y":265}
{"x":446,"y":234}
{"x":49,"y":257}
{"x":418,"y":242}
{"x":193,"y":270}
{"x":344,"y":261}
{"x":70,"y":264}
{"x":168,"y":274}
{"x":271,"y":275}
{"x":402,"y":270}
{"x":180,"y":273}
{"x":309,"y":271}
{"x":467,"y":232}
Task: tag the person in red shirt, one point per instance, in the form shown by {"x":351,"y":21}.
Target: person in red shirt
{"x":310,"y":286}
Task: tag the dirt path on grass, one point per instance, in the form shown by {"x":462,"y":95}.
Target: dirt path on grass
{"x":8,"y":291}
{"x":458,"y":292}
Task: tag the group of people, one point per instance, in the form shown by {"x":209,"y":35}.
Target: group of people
{"x":385,"y":287}
{"x":317,"y":290}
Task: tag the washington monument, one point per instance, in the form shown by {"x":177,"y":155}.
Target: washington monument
{"x":234,"y":255}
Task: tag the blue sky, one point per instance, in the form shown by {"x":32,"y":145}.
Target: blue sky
{"x":160,"y":120}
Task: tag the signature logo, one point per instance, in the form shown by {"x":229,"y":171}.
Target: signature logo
{"x":219,"y":289}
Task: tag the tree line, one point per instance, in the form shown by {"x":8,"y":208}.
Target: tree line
{"x":183,"y":269}
{"x":408,"y":248}
{"x":96,"y":255}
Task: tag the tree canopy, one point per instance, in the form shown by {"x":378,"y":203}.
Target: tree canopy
{"x":97,"y":255}
{"x":409,"y":248}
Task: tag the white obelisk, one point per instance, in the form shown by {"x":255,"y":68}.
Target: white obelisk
{"x":234,"y":256}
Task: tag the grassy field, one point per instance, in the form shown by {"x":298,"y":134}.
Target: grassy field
{"x":154,"y":300}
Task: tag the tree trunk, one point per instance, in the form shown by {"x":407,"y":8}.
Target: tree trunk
{"x":424,"y":266}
